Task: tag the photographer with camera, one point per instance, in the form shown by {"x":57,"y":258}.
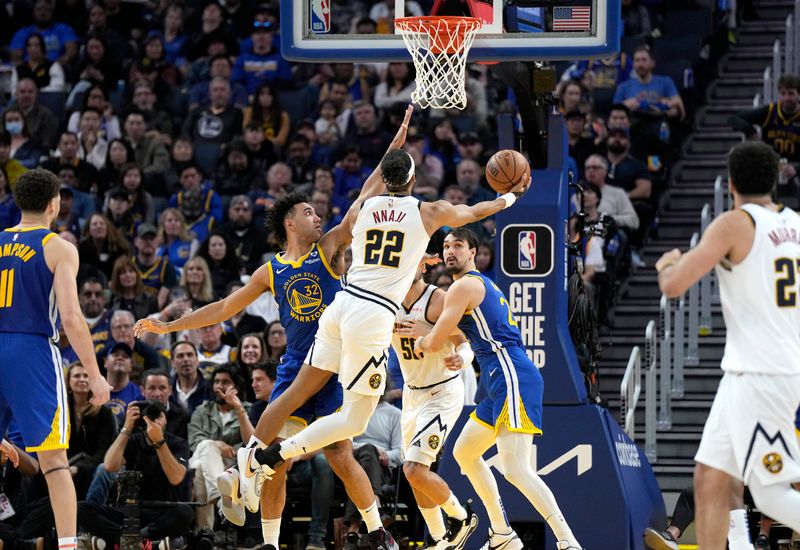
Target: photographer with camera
{"x":156,"y":386}
{"x":216,"y":431}
{"x":160,"y":459}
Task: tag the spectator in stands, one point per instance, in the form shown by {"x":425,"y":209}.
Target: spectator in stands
{"x":379,"y":451}
{"x":189,"y":388}
{"x":619,"y":116}
{"x":212,"y":351}
{"x":173,"y":36}
{"x":338,"y":92}
{"x":116,"y":45}
{"x":276,"y":340}
{"x":92,"y":299}
{"x":118,"y":212}
{"x":124,"y":18}
{"x":243,"y":322}
{"x":196,"y":279}
{"x":326,"y":126}
{"x":97,"y":98}
{"x":236,"y":173}
{"x":156,"y":386}
{"x":177,"y":242}
{"x":279,"y":181}
{"x":192,"y":182}
{"x":468,"y":178}
{"x":213,"y":35}
{"x":39,"y":120}
{"x":484,"y":258}
{"x":313,"y":472}
{"x":299,"y":160}
{"x":149,"y":152}
{"x":265,"y":109}
{"x":12,"y":168}
{"x":66,"y":219}
{"x":646,"y":92}
{"x":23,"y":149}
{"x":323,"y":207}
{"x":96,"y":66}
{"x":91,"y":146}
{"x":102,"y":244}
{"x":144,"y":357}
{"x":601,"y":74}
{"x":61,"y":41}
{"x":614,"y":201}
{"x":580,"y":147}
{"x":247,"y":238}
{"x":161,"y":457}
{"x":470,"y":147}
{"x":118,"y":366}
{"x":158,"y":122}
{"x":142,"y":207}
{"x":572,"y":97}
{"x":396,"y":86}
{"x":442,"y":280}
{"x":92,"y":429}
{"x":219,"y":65}
{"x":153,"y":55}
{"x":351,"y":174}
{"x":371,"y":140}
{"x":158,"y":275}
{"x":594,"y":261}
{"x":218,"y":123}
{"x":127,"y":290}
{"x":635,"y":18}
{"x":778,"y":125}
{"x":9,"y":212}
{"x":67,"y":155}
{"x":182,"y":155}
{"x":625,"y":171}
{"x":261,"y":151}
{"x":261,"y":63}
{"x":214,"y":436}
{"x":251,"y":350}
{"x":222,"y":262}
{"x":429,"y":169}
{"x":48,"y":75}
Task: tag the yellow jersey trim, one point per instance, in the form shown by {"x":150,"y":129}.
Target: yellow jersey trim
{"x":24,"y":229}
{"x":47,"y":238}
{"x":325,"y":262}
{"x":299,"y":420}
{"x":53,"y":439}
{"x":297,"y":263}
{"x":271,"y":278}
{"x":527,"y":426}
{"x":474,"y":417}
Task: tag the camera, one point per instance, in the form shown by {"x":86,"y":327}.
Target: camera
{"x":151,"y":409}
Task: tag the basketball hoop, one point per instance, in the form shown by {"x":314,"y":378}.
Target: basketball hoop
{"x":439,"y":47}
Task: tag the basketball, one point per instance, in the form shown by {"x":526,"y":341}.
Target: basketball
{"x":506,"y":169}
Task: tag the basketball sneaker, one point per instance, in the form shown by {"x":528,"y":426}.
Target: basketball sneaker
{"x":251,"y":476}
{"x":659,"y":540}
{"x":382,"y":540}
{"x":499,"y":541}
{"x":231,"y":501}
{"x":458,"y":531}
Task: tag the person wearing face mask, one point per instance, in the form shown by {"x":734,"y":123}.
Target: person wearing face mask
{"x":39,"y":120}
{"x":22,"y":148}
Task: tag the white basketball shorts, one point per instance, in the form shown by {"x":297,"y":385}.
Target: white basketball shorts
{"x":429,"y":417}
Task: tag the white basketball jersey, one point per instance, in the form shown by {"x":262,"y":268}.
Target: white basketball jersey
{"x":761,"y":298}
{"x":420,"y":371}
{"x":389,"y":240}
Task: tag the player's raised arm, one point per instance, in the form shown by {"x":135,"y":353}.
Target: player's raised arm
{"x":677,"y":272}
{"x":443,"y":214}
{"x":63,"y":257}
{"x":213,"y":313}
{"x":463,"y":294}
{"x":374,"y":183}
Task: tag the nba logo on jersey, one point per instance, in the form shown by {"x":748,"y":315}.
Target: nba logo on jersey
{"x":527,"y":250}
{"x":320,"y":16}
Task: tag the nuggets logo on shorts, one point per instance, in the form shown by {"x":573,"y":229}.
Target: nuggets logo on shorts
{"x":773,"y":463}
{"x":375,"y":381}
{"x":433,"y":442}
{"x":304,"y":296}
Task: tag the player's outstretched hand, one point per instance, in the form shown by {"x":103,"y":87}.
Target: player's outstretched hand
{"x":453,"y":361}
{"x":522,"y":187}
{"x":400,"y":137}
{"x":668,"y":258}
{"x":412,"y":329}
{"x":8,"y":451}
{"x":149,"y":325}
{"x":429,"y":260}
{"x":100,"y":389}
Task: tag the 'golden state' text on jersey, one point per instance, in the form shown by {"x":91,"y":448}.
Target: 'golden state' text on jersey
{"x":760,"y":297}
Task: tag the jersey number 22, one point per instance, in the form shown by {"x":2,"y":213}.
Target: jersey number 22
{"x":383,"y":248}
{"x":786,"y":286}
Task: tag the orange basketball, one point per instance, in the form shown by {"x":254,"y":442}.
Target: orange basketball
{"x":506,"y":169}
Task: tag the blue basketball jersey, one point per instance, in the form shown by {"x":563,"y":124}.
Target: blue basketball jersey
{"x":490,"y":326}
{"x":27,"y":297}
{"x":303,"y":289}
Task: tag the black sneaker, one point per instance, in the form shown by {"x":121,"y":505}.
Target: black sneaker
{"x":659,"y":540}
{"x":458,"y":531}
{"x":762,"y":543}
{"x":382,"y":540}
{"x":351,"y":541}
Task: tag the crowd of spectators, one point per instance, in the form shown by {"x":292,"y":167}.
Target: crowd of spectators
{"x":164,"y":122}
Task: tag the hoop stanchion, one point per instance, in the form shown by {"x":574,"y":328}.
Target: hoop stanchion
{"x":439,"y":47}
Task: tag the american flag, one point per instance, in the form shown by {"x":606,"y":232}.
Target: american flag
{"x":572,"y":18}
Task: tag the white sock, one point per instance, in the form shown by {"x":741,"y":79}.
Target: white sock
{"x":256,"y":442}
{"x":435,"y":522}
{"x":453,"y":508}
{"x":271,"y":531}
{"x":738,"y":535}
{"x":371,"y":517}
{"x":67,"y":543}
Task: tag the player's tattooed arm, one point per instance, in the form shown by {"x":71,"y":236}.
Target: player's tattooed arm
{"x":465,"y":294}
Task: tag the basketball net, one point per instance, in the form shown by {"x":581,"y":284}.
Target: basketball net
{"x":439,"y":47}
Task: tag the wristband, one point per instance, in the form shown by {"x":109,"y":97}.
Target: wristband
{"x":510,"y":199}
{"x":125,"y":431}
{"x":159,"y":444}
{"x":466,"y":353}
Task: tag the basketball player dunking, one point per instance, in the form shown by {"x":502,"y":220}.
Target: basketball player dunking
{"x":749,"y":435}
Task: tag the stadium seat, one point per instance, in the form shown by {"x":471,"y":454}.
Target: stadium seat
{"x":298,"y":103}
{"x":683,"y":22}
{"x":679,"y":47}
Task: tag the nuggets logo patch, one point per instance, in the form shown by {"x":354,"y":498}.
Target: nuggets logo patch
{"x":433,"y":442}
{"x":375,"y":381}
{"x":773,"y":463}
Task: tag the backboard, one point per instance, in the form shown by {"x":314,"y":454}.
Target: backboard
{"x":513,"y":30}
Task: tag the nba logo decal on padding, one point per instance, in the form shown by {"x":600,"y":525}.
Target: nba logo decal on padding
{"x":320,"y":16}
{"x":527,"y":250}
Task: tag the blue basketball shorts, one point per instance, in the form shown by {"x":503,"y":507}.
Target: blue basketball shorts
{"x":325,"y":402}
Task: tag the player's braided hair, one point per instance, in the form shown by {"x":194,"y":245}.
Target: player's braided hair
{"x":35,"y":189}
{"x":281,"y":209}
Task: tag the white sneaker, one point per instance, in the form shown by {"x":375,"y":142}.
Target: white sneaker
{"x":458,"y":531}
{"x":251,"y":479}
{"x":231,"y":502}
{"x":497,"y":541}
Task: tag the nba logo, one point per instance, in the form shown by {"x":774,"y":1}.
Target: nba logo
{"x":320,"y":16}
{"x":527,"y":250}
